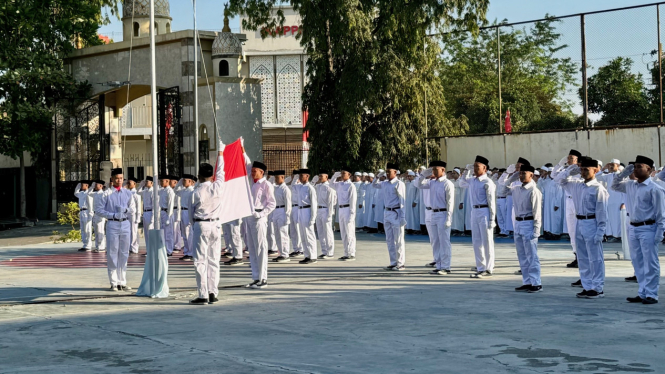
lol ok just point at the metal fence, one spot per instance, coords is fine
(284, 157)
(586, 42)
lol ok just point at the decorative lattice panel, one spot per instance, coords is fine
(262, 67)
(289, 90)
(141, 8)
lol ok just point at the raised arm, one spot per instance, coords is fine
(377, 183)
(422, 182)
(621, 181)
(466, 177)
(504, 183)
(218, 184)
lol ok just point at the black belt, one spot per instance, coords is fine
(183, 209)
(499, 197)
(645, 223)
(147, 210)
(344, 206)
(165, 209)
(392, 209)
(84, 209)
(520, 219)
(258, 210)
(590, 216)
(294, 205)
(428, 208)
(439, 210)
(119, 220)
(280, 206)
(206, 220)
(481, 206)
(304, 206)
(323, 207)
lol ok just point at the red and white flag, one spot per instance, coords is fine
(236, 196)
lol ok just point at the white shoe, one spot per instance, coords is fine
(477, 275)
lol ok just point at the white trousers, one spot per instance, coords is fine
(234, 243)
(207, 251)
(272, 241)
(85, 223)
(644, 253)
(118, 252)
(500, 214)
(186, 234)
(178, 240)
(590, 256)
(347, 227)
(325, 231)
(440, 240)
(508, 214)
(281, 231)
(483, 239)
(168, 231)
(308, 237)
(571, 223)
(100, 231)
(527, 252)
(394, 238)
(296, 242)
(133, 235)
(257, 244)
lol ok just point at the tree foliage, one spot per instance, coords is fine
(370, 67)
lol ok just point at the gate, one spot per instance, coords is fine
(171, 160)
(283, 157)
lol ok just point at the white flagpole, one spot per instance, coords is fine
(155, 135)
(196, 94)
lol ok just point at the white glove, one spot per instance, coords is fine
(491, 225)
(402, 222)
(142, 184)
(382, 174)
(427, 172)
(287, 180)
(336, 175)
(449, 223)
(221, 146)
(295, 179)
(563, 161)
(256, 215)
(242, 142)
(180, 182)
(311, 222)
(168, 222)
(315, 179)
(78, 186)
(628, 170)
(329, 219)
(469, 167)
(511, 169)
(92, 186)
(574, 170)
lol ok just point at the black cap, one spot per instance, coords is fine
(631, 163)
(346, 169)
(549, 164)
(437, 163)
(189, 176)
(644, 160)
(133, 179)
(206, 170)
(295, 171)
(99, 181)
(148, 178)
(588, 162)
(304, 171)
(502, 170)
(523, 161)
(84, 181)
(483, 161)
(392, 165)
(271, 173)
(527, 168)
(574, 153)
(116, 171)
(279, 172)
(260, 165)
(165, 176)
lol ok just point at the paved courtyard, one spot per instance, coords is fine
(56, 316)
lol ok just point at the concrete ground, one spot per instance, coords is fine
(56, 316)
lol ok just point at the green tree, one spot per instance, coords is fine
(36, 35)
(533, 78)
(370, 66)
(618, 94)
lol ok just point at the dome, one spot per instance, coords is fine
(226, 44)
(142, 8)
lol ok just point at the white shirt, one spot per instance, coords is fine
(263, 197)
(85, 200)
(527, 202)
(167, 199)
(481, 191)
(283, 197)
(118, 205)
(98, 198)
(441, 194)
(646, 200)
(589, 198)
(185, 196)
(326, 197)
(304, 195)
(346, 194)
(206, 201)
(394, 194)
(137, 203)
(146, 195)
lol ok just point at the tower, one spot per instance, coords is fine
(226, 52)
(138, 27)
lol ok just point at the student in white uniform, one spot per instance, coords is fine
(178, 243)
(205, 208)
(370, 204)
(117, 207)
(379, 207)
(590, 199)
(305, 197)
(326, 201)
(412, 201)
(281, 216)
(145, 190)
(614, 203)
(394, 216)
(85, 213)
(99, 222)
(166, 204)
(346, 199)
(184, 190)
(458, 214)
(131, 185)
(294, 232)
(482, 200)
(360, 191)
(570, 214)
(272, 241)
(647, 224)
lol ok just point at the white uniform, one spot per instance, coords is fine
(394, 218)
(370, 204)
(98, 221)
(571, 215)
(85, 215)
(360, 211)
(326, 200)
(281, 218)
(185, 196)
(441, 204)
(148, 224)
(553, 198)
(590, 199)
(117, 207)
(257, 226)
(613, 205)
(346, 199)
(647, 201)
(305, 196)
(294, 231)
(233, 238)
(412, 213)
(458, 214)
(166, 204)
(527, 200)
(178, 241)
(378, 206)
(134, 220)
(501, 211)
(205, 208)
(482, 203)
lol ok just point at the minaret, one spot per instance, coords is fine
(136, 18)
(226, 51)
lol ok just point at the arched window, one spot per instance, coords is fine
(136, 29)
(223, 68)
(168, 28)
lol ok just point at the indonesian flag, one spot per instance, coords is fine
(236, 195)
(507, 125)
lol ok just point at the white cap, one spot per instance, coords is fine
(457, 170)
(411, 173)
(364, 174)
(423, 168)
(371, 175)
(543, 167)
(549, 169)
(398, 172)
(615, 161)
(600, 163)
(358, 174)
(536, 172)
(381, 171)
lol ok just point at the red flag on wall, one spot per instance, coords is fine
(508, 126)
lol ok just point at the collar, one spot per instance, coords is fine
(646, 182)
(262, 180)
(592, 182)
(394, 180)
(529, 186)
(482, 177)
(442, 178)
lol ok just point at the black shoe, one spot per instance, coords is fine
(440, 272)
(251, 284)
(322, 257)
(272, 252)
(635, 299)
(431, 264)
(124, 288)
(535, 289)
(235, 261)
(582, 294)
(169, 254)
(577, 283)
(188, 258)
(293, 254)
(649, 300)
(478, 274)
(524, 288)
(343, 258)
(212, 298)
(119, 287)
(259, 285)
(398, 268)
(488, 273)
(390, 267)
(631, 279)
(281, 259)
(199, 301)
(307, 260)
(297, 254)
(350, 258)
(573, 264)
(113, 288)
(83, 249)
(227, 255)
(594, 294)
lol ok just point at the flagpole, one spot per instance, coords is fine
(155, 135)
(196, 93)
